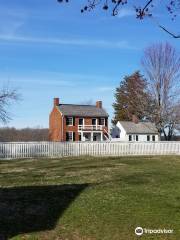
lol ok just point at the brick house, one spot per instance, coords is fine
(72, 122)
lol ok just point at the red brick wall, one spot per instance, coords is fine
(87, 121)
(55, 125)
(71, 129)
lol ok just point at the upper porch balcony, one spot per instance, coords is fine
(90, 127)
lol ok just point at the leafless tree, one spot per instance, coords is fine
(161, 63)
(23, 135)
(145, 9)
(7, 96)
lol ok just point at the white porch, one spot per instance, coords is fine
(90, 127)
(90, 136)
(92, 133)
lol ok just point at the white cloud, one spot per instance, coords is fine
(73, 42)
(105, 89)
(9, 28)
(125, 12)
(40, 81)
(53, 79)
(11, 20)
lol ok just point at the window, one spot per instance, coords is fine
(81, 121)
(106, 122)
(130, 137)
(137, 138)
(69, 121)
(148, 138)
(94, 121)
(102, 121)
(70, 136)
(153, 138)
(80, 138)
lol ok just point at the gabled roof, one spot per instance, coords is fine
(139, 128)
(82, 110)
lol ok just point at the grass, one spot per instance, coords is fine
(89, 198)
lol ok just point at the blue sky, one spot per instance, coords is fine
(50, 50)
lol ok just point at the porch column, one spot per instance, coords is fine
(91, 136)
(101, 136)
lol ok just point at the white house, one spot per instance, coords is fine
(134, 131)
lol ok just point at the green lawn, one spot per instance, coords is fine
(89, 198)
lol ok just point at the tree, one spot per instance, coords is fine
(161, 63)
(142, 11)
(7, 96)
(131, 98)
(23, 135)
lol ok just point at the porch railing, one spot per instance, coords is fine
(90, 127)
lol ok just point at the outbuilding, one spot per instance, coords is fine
(134, 131)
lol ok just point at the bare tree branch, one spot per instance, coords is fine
(145, 10)
(7, 96)
(161, 63)
(142, 11)
(170, 33)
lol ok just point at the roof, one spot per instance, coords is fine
(82, 110)
(139, 128)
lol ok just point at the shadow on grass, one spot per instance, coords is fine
(34, 208)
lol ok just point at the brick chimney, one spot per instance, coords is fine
(56, 102)
(135, 119)
(99, 104)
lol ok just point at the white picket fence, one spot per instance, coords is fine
(12, 150)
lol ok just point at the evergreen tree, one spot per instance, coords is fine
(131, 98)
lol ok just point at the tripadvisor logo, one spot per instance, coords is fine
(139, 231)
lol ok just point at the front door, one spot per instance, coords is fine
(87, 136)
(94, 121)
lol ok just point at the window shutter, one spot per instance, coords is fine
(67, 121)
(73, 136)
(67, 136)
(73, 121)
(106, 122)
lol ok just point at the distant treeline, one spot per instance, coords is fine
(174, 138)
(23, 135)
(33, 134)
